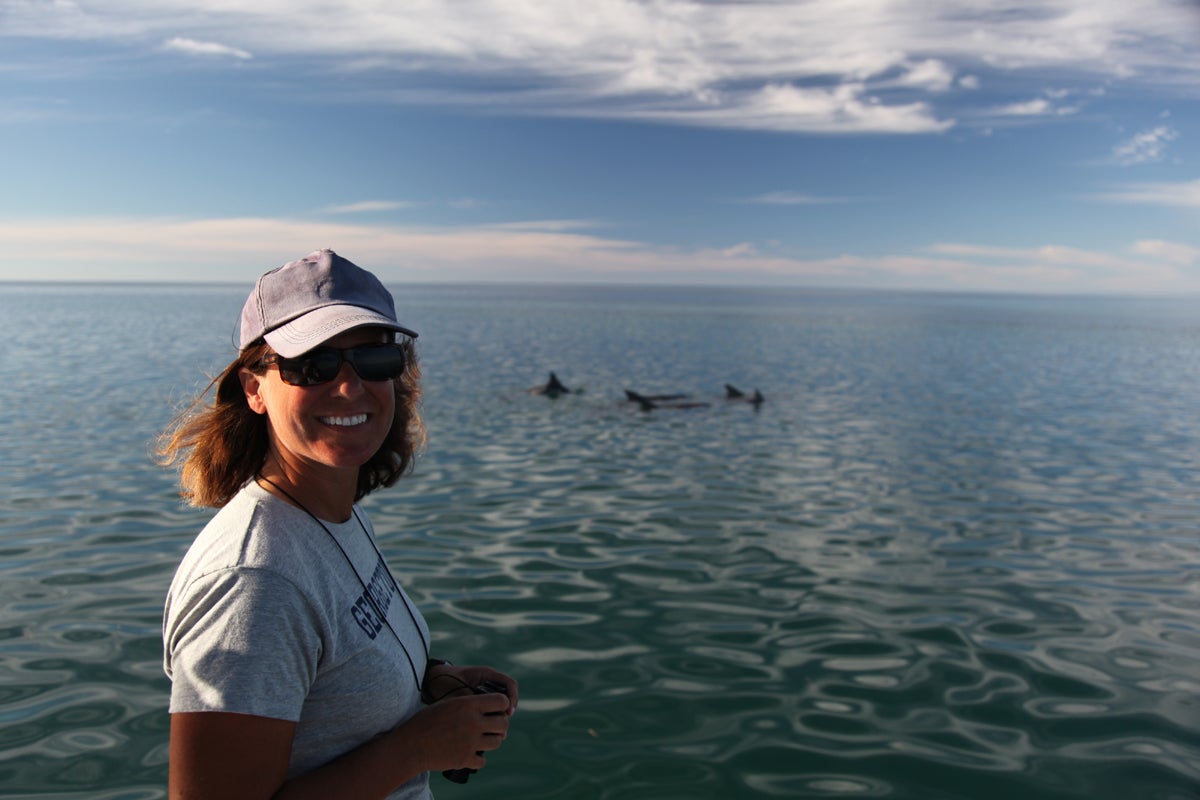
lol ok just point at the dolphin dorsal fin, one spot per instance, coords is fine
(641, 401)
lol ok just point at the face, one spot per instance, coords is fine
(333, 427)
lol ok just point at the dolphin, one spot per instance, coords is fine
(654, 398)
(734, 393)
(649, 404)
(551, 388)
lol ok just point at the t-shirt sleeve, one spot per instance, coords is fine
(242, 640)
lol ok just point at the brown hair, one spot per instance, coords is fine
(224, 445)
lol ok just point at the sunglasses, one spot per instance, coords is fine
(372, 362)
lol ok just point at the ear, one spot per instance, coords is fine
(252, 387)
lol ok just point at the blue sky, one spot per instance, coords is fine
(1048, 146)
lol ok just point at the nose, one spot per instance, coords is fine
(347, 382)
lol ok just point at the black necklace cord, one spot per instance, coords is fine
(366, 592)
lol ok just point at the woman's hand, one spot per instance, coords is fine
(457, 731)
(220, 756)
(444, 681)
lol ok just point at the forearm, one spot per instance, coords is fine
(372, 770)
(236, 757)
(453, 733)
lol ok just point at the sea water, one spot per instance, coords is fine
(954, 554)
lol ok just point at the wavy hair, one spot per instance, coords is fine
(223, 444)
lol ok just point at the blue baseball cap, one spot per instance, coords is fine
(305, 302)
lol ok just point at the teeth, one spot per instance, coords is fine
(357, 419)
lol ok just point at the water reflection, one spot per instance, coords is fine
(952, 556)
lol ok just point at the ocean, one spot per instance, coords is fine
(953, 554)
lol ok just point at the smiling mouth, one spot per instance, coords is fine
(344, 422)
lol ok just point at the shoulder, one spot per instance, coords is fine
(260, 537)
(255, 530)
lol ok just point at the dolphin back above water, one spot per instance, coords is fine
(734, 393)
(654, 398)
(551, 388)
(651, 402)
(647, 402)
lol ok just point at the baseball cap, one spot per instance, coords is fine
(305, 302)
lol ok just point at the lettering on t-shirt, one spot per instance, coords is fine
(371, 607)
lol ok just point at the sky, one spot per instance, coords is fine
(1047, 146)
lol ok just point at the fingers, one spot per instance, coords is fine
(481, 717)
(493, 704)
(468, 676)
(512, 691)
(510, 685)
(494, 728)
(461, 729)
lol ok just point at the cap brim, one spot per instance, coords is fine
(320, 325)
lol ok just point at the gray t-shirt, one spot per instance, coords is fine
(266, 616)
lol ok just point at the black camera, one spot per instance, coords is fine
(487, 687)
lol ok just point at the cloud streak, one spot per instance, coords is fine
(1145, 147)
(792, 199)
(1184, 194)
(848, 66)
(369, 207)
(192, 47)
(236, 249)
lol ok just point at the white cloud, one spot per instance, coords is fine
(783, 107)
(1185, 194)
(194, 48)
(1146, 146)
(837, 66)
(1063, 268)
(1046, 254)
(739, 250)
(931, 74)
(1030, 108)
(1174, 252)
(792, 199)
(369, 206)
(1046, 106)
(558, 250)
(543, 225)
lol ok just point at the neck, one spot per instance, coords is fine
(329, 497)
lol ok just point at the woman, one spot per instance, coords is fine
(298, 665)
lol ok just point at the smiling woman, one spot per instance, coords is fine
(284, 683)
(324, 424)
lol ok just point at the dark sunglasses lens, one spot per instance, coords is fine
(377, 362)
(310, 369)
(292, 371)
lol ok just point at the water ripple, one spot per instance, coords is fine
(954, 554)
